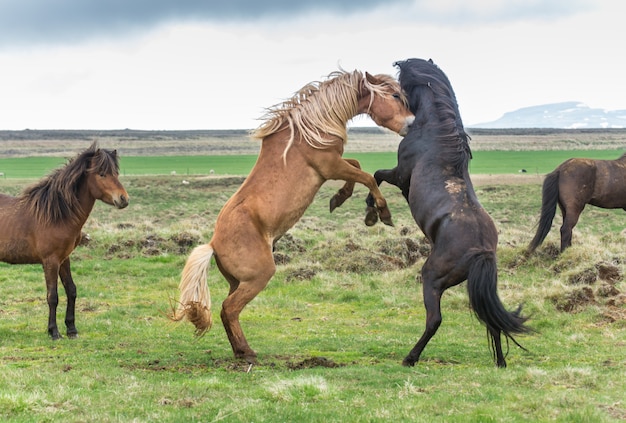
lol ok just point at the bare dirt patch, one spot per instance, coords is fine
(313, 362)
(153, 245)
(506, 179)
(593, 286)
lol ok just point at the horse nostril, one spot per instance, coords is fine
(123, 202)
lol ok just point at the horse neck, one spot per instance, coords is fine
(86, 201)
(440, 145)
(364, 102)
(426, 129)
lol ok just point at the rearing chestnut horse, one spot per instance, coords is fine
(574, 184)
(43, 224)
(432, 173)
(302, 144)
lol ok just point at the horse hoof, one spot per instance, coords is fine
(371, 217)
(249, 356)
(387, 222)
(333, 203)
(72, 335)
(369, 221)
(407, 362)
(385, 216)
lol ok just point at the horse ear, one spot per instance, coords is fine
(371, 79)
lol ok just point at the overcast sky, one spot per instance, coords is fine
(208, 64)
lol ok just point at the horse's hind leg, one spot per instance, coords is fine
(496, 344)
(70, 291)
(241, 293)
(570, 218)
(432, 303)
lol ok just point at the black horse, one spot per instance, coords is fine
(432, 173)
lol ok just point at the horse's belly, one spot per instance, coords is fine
(17, 252)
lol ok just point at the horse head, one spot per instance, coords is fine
(102, 179)
(387, 105)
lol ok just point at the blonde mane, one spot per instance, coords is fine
(320, 109)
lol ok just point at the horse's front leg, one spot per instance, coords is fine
(70, 291)
(346, 171)
(371, 212)
(346, 190)
(51, 273)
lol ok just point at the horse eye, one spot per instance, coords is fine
(397, 96)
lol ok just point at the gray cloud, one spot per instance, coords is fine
(61, 21)
(45, 21)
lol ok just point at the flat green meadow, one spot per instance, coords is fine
(333, 325)
(485, 162)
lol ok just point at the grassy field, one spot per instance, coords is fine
(331, 328)
(485, 162)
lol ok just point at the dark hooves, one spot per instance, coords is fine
(371, 216)
(408, 363)
(387, 221)
(333, 203)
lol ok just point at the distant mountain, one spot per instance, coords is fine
(570, 115)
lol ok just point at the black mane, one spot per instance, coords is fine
(421, 79)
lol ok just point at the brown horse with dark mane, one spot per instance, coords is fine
(574, 184)
(43, 225)
(432, 172)
(302, 144)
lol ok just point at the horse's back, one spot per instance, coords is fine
(610, 184)
(445, 210)
(601, 183)
(5, 200)
(576, 180)
(9, 212)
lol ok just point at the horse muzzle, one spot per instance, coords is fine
(407, 124)
(121, 201)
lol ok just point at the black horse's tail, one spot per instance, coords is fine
(482, 284)
(549, 200)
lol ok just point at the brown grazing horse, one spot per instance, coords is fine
(574, 184)
(43, 224)
(432, 172)
(302, 144)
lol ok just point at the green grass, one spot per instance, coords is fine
(538, 162)
(486, 162)
(37, 167)
(351, 307)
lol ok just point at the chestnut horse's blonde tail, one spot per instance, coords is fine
(195, 298)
